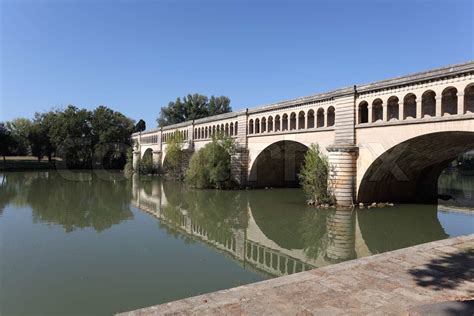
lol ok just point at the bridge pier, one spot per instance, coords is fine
(342, 164)
(239, 165)
(135, 159)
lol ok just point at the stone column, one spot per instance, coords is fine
(438, 106)
(369, 110)
(401, 110)
(342, 183)
(384, 112)
(418, 102)
(135, 159)
(460, 103)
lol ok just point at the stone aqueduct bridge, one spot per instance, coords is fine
(386, 141)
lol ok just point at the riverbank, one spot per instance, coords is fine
(408, 280)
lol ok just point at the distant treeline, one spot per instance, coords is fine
(81, 138)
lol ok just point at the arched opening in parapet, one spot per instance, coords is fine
(331, 120)
(363, 112)
(409, 171)
(270, 124)
(377, 110)
(251, 127)
(226, 129)
(409, 106)
(292, 121)
(264, 125)
(278, 165)
(449, 101)
(428, 104)
(231, 126)
(257, 126)
(277, 123)
(469, 99)
(301, 119)
(284, 122)
(392, 107)
(320, 118)
(310, 119)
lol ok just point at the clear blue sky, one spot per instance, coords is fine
(135, 56)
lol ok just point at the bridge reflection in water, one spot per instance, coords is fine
(270, 230)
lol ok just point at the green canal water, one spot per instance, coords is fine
(78, 244)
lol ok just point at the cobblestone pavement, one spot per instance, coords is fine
(396, 282)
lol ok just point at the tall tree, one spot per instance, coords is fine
(192, 107)
(19, 129)
(7, 142)
(140, 126)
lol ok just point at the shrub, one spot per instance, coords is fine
(210, 167)
(314, 177)
(174, 156)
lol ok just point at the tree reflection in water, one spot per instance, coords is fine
(83, 202)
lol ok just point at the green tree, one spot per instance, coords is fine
(19, 129)
(71, 135)
(45, 122)
(174, 156)
(140, 126)
(210, 167)
(7, 142)
(110, 136)
(192, 107)
(314, 176)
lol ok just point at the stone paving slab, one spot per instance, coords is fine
(397, 282)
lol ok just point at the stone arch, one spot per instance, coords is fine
(301, 120)
(363, 112)
(469, 99)
(409, 106)
(270, 124)
(147, 152)
(292, 121)
(392, 108)
(207, 132)
(409, 171)
(226, 129)
(263, 128)
(236, 125)
(284, 122)
(377, 110)
(320, 118)
(277, 123)
(278, 165)
(449, 101)
(251, 127)
(257, 126)
(231, 128)
(331, 116)
(310, 119)
(428, 103)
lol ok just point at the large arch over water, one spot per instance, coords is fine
(409, 171)
(278, 165)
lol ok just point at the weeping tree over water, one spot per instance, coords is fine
(314, 177)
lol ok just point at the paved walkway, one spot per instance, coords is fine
(398, 282)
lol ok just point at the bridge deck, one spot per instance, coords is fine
(394, 282)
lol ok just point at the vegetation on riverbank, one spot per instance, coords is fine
(80, 138)
(174, 164)
(315, 176)
(210, 167)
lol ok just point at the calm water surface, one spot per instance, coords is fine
(90, 246)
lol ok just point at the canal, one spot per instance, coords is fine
(82, 244)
